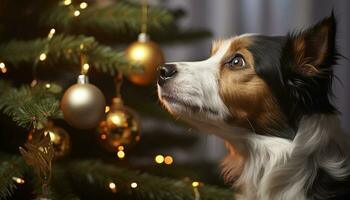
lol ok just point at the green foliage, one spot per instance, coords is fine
(149, 187)
(59, 47)
(98, 174)
(61, 188)
(26, 104)
(10, 166)
(118, 18)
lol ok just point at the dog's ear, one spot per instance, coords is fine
(313, 50)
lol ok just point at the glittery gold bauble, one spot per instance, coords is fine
(120, 128)
(83, 104)
(59, 138)
(149, 55)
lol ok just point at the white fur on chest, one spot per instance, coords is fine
(276, 168)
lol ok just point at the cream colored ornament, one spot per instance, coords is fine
(83, 104)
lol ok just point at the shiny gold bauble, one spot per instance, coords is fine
(59, 137)
(120, 128)
(83, 104)
(149, 55)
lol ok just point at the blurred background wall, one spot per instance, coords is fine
(225, 18)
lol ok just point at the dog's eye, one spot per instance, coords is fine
(237, 62)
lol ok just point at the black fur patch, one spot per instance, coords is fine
(267, 52)
(297, 94)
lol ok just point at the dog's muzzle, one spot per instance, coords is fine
(166, 72)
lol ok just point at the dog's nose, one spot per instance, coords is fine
(166, 72)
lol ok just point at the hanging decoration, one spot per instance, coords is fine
(121, 128)
(83, 104)
(39, 153)
(144, 52)
(59, 138)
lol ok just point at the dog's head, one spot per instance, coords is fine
(262, 83)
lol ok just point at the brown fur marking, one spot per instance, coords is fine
(247, 96)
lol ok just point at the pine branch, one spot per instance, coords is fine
(118, 18)
(60, 187)
(59, 47)
(30, 104)
(149, 187)
(10, 167)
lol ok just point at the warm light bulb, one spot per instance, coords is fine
(67, 2)
(133, 185)
(86, 67)
(121, 148)
(76, 13)
(48, 85)
(3, 68)
(103, 136)
(159, 159)
(83, 5)
(195, 184)
(112, 186)
(18, 180)
(121, 154)
(168, 160)
(42, 56)
(51, 33)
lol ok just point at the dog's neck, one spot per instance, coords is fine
(276, 168)
(265, 167)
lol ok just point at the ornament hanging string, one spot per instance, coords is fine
(144, 16)
(118, 80)
(83, 61)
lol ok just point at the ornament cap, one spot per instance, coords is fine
(117, 102)
(82, 79)
(143, 37)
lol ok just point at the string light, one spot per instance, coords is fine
(103, 136)
(3, 68)
(113, 187)
(133, 185)
(51, 33)
(168, 160)
(121, 148)
(83, 5)
(67, 2)
(48, 85)
(107, 109)
(42, 56)
(121, 154)
(86, 66)
(159, 159)
(76, 13)
(195, 184)
(18, 180)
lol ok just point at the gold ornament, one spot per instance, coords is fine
(59, 138)
(121, 127)
(149, 55)
(83, 104)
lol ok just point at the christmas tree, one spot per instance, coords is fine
(68, 139)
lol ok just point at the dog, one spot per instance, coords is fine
(269, 98)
